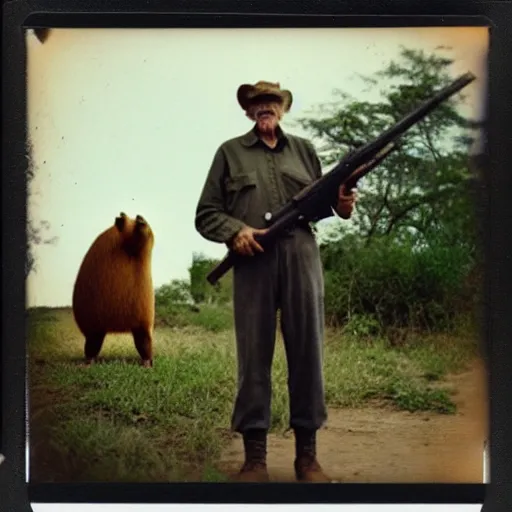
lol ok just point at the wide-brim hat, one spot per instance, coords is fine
(248, 92)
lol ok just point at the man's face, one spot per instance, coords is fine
(266, 114)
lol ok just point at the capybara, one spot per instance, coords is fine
(113, 292)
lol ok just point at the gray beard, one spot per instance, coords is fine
(267, 130)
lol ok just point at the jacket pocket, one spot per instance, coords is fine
(239, 191)
(294, 181)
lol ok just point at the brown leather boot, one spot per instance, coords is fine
(254, 468)
(307, 468)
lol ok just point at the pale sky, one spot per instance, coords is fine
(129, 120)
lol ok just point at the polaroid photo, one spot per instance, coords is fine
(257, 254)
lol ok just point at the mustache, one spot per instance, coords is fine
(263, 112)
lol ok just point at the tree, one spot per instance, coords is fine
(35, 230)
(420, 191)
(404, 258)
(200, 289)
(176, 292)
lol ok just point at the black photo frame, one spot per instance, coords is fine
(495, 216)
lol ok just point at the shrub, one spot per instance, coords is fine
(393, 284)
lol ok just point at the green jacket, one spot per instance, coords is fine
(248, 179)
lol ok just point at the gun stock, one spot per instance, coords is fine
(310, 201)
(222, 268)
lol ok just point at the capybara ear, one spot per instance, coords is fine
(140, 220)
(120, 222)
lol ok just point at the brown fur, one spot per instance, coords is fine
(113, 292)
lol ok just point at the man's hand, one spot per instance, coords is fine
(346, 201)
(244, 243)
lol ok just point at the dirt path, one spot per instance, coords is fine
(388, 446)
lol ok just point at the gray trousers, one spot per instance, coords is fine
(287, 277)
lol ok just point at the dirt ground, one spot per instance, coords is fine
(375, 445)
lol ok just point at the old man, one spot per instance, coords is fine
(250, 175)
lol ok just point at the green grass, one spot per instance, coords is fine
(209, 317)
(117, 421)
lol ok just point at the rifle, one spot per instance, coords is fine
(308, 204)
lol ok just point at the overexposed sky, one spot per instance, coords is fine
(129, 120)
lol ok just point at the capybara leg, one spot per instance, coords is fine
(143, 344)
(93, 344)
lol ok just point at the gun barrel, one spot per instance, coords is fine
(366, 168)
(373, 149)
(412, 118)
